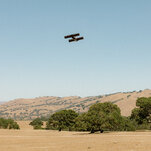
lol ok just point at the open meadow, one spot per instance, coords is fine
(28, 139)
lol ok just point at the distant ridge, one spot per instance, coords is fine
(1, 103)
(27, 109)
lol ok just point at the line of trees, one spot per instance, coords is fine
(8, 124)
(100, 117)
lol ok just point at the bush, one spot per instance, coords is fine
(36, 123)
(37, 127)
(8, 124)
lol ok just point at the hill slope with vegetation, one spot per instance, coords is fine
(100, 117)
(27, 109)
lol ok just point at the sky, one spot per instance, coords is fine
(36, 60)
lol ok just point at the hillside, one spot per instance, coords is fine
(27, 109)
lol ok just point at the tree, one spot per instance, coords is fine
(135, 115)
(64, 119)
(142, 114)
(8, 124)
(127, 124)
(12, 124)
(36, 123)
(100, 117)
(81, 123)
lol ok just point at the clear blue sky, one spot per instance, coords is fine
(36, 60)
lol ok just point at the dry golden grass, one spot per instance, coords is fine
(24, 125)
(27, 139)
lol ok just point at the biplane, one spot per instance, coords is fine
(74, 37)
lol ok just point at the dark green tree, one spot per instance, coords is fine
(142, 113)
(64, 119)
(100, 117)
(12, 124)
(81, 123)
(36, 123)
(127, 124)
(8, 124)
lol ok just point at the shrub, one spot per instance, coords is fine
(8, 124)
(36, 123)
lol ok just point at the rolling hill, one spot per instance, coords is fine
(27, 109)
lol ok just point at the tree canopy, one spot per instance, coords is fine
(64, 119)
(8, 124)
(37, 123)
(100, 116)
(142, 113)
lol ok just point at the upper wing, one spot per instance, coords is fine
(73, 35)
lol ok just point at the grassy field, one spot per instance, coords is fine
(27, 139)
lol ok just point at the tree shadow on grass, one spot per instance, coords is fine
(89, 133)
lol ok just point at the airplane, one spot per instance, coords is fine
(73, 36)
